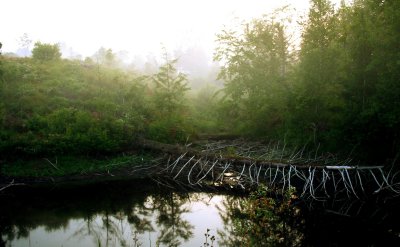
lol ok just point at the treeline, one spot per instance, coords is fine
(340, 88)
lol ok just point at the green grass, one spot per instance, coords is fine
(69, 165)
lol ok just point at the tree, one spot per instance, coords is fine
(46, 52)
(25, 42)
(170, 118)
(255, 73)
(105, 57)
(316, 106)
(170, 87)
(370, 34)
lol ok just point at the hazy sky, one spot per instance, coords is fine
(138, 27)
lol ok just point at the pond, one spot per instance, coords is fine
(143, 214)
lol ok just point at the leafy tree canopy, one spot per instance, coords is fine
(46, 52)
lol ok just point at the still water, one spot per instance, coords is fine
(131, 214)
(143, 214)
(157, 220)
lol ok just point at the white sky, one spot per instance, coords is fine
(136, 26)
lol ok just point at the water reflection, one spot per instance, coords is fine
(137, 215)
(230, 212)
(170, 208)
(98, 217)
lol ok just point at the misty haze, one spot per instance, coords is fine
(200, 123)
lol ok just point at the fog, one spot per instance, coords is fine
(136, 31)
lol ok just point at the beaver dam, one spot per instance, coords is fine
(238, 164)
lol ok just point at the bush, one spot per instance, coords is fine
(169, 129)
(270, 221)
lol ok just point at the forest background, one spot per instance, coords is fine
(337, 88)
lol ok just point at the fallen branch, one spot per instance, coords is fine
(51, 163)
(10, 184)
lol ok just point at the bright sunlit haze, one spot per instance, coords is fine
(133, 29)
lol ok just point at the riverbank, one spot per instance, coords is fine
(75, 170)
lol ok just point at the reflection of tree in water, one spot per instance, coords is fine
(108, 219)
(16, 223)
(230, 211)
(166, 209)
(108, 230)
(261, 220)
(173, 228)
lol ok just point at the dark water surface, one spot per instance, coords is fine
(143, 214)
(116, 214)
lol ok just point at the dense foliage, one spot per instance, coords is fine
(56, 106)
(269, 220)
(338, 88)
